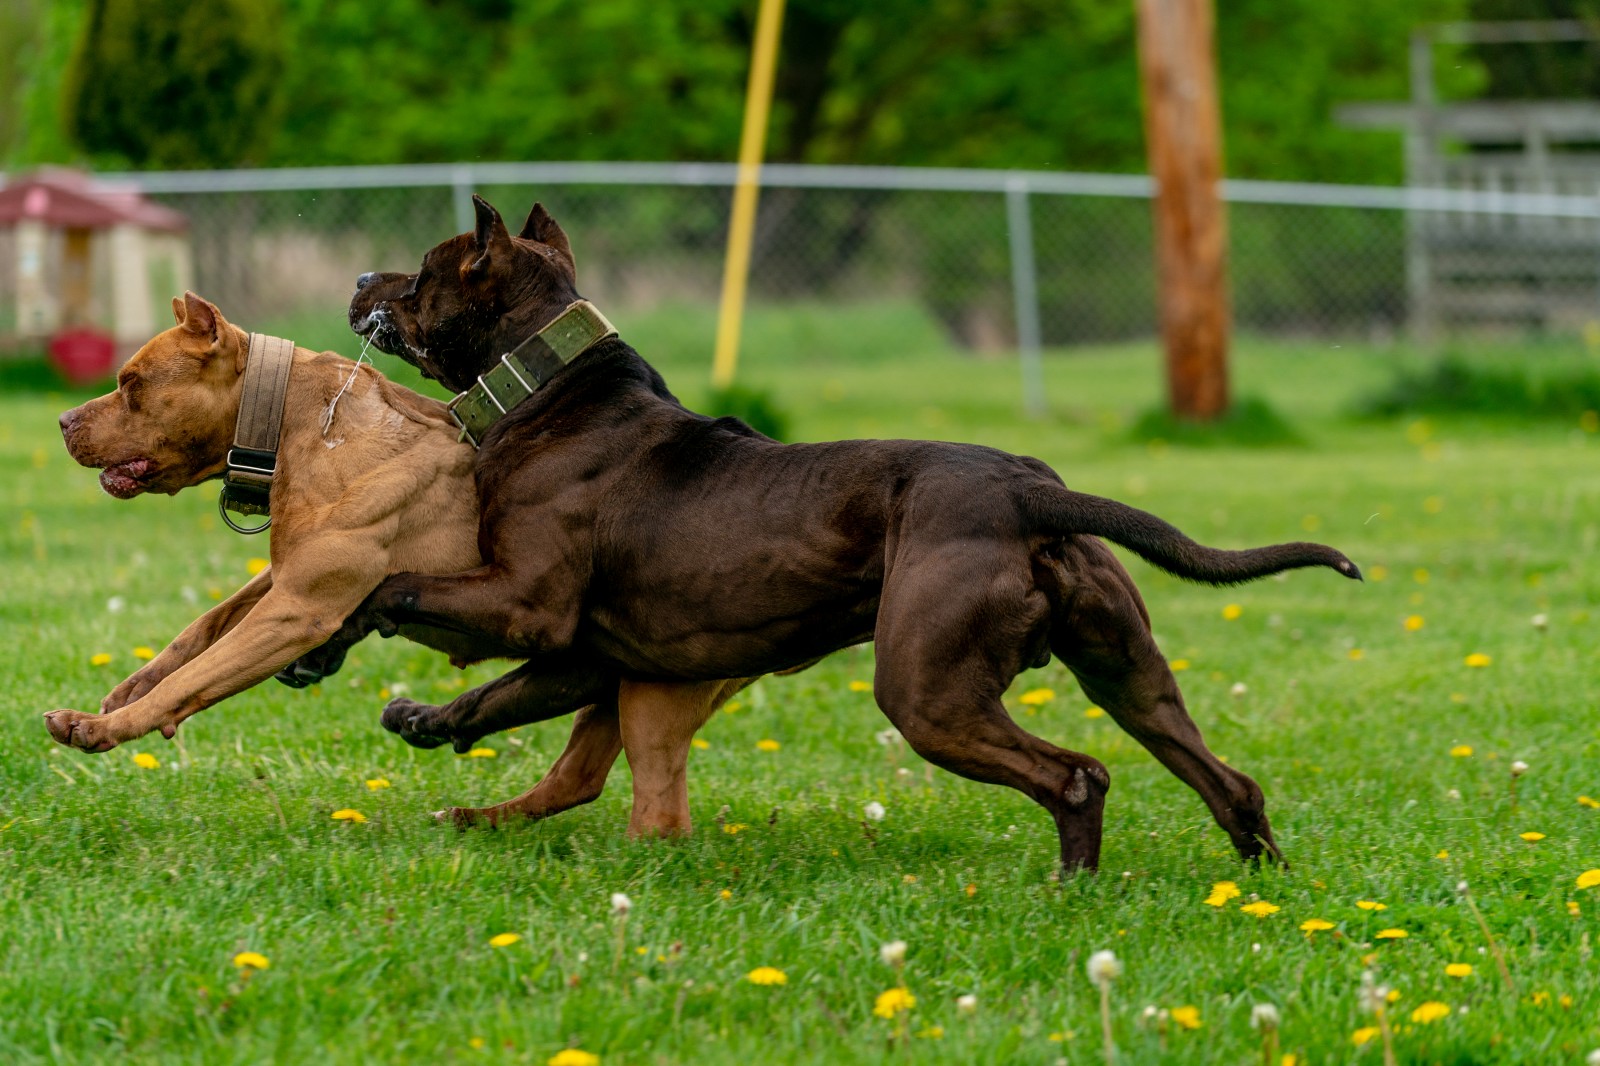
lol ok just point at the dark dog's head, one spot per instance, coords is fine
(170, 421)
(476, 297)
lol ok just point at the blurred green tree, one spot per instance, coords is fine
(1539, 71)
(174, 83)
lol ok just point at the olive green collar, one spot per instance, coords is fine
(521, 372)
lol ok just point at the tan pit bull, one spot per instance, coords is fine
(384, 487)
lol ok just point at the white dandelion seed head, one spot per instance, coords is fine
(1462, 888)
(967, 1004)
(620, 904)
(874, 811)
(1519, 768)
(1264, 1016)
(888, 738)
(1150, 1011)
(902, 773)
(116, 604)
(1104, 968)
(893, 953)
(583, 956)
(1239, 689)
(1453, 794)
(1255, 949)
(1593, 1058)
(1540, 622)
(1373, 995)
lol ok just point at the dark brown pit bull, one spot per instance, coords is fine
(621, 526)
(384, 485)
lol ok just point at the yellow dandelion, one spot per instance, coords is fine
(1260, 908)
(482, 753)
(1315, 925)
(1430, 1011)
(252, 960)
(1413, 623)
(1061, 1038)
(145, 761)
(256, 565)
(375, 783)
(1458, 969)
(1391, 934)
(892, 1002)
(143, 652)
(1364, 1034)
(573, 1057)
(733, 827)
(1444, 853)
(503, 940)
(971, 890)
(1356, 655)
(100, 658)
(1461, 751)
(1420, 576)
(1478, 658)
(767, 745)
(1178, 665)
(346, 814)
(932, 1032)
(860, 686)
(1371, 905)
(1393, 996)
(767, 975)
(700, 745)
(731, 707)
(1532, 838)
(214, 592)
(725, 894)
(1573, 909)
(1232, 611)
(477, 1043)
(1095, 712)
(1378, 573)
(1589, 802)
(1221, 893)
(1589, 878)
(1036, 697)
(1188, 1017)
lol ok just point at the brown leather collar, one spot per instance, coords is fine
(253, 459)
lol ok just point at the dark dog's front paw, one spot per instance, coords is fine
(416, 723)
(314, 665)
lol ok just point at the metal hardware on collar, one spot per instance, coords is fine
(522, 372)
(252, 462)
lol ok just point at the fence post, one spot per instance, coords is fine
(461, 199)
(1025, 293)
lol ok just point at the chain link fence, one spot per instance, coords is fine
(997, 259)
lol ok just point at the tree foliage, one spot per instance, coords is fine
(172, 83)
(1049, 84)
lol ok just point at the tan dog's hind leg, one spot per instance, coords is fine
(658, 723)
(578, 776)
(196, 638)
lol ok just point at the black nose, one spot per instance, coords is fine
(361, 282)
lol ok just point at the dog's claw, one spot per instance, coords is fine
(401, 716)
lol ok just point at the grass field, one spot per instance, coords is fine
(126, 892)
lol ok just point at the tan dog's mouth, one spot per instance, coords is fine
(126, 479)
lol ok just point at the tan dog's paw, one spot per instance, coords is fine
(77, 729)
(463, 817)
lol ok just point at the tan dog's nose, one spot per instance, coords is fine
(69, 421)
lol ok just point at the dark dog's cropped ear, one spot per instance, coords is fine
(542, 228)
(491, 238)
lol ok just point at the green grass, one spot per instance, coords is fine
(124, 893)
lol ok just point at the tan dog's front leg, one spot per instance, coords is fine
(658, 723)
(196, 638)
(278, 630)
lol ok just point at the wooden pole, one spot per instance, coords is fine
(752, 142)
(1183, 132)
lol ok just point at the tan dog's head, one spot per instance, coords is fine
(170, 422)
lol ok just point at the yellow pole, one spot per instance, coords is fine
(757, 103)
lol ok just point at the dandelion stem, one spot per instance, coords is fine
(1494, 947)
(1388, 1037)
(1105, 1021)
(1269, 1046)
(622, 941)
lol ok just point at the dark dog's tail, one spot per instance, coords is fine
(1061, 510)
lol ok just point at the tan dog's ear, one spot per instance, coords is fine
(491, 238)
(201, 318)
(177, 310)
(542, 228)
